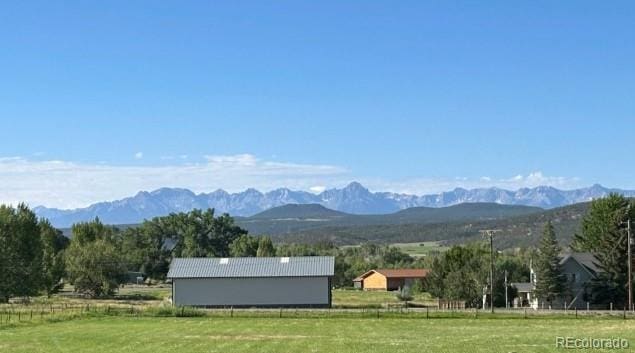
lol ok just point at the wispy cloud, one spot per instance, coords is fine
(68, 184)
(421, 186)
(64, 184)
(138, 155)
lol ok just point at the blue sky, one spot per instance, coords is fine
(99, 100)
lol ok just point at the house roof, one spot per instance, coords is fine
(214, 267)
(524, 286)
(396, 273)
(585, 259)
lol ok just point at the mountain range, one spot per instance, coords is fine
(353, 199)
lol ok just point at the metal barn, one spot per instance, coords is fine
(252, 281)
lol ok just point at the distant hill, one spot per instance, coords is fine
(464, 211)
(352, 199)
(299, 218)
(300, 212)
(516, 230)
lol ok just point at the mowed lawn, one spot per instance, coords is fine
(332, 335)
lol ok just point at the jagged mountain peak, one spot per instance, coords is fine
(353, 198)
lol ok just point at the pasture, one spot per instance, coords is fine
(105, 334)
(374, 299)
(148, 324)
(420, 249)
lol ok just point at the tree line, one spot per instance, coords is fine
(31, 254)
(462, 273)
(36, 258)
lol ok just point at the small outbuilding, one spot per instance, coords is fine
(252, 281)
(389, 279)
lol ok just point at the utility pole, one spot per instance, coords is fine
(629, 243)
(506, 287)
(630, 265)
(490, 233)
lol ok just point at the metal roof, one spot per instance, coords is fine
(214, 267)
(524, 287)
(585, 259)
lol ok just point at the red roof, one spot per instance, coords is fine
(397, 273)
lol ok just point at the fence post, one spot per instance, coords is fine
(588, 306)
(427, 312)
(525, 314)
(231, 311)
(576, 312)
(611, 306)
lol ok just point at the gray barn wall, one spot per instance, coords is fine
(272, 291)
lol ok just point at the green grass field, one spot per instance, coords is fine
(372, 299)
(420, 249)
(153, 295)
(111, 325)
(226, 335)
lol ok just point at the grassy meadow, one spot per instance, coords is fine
(374, 299)
(420, 249)
(337, 334)
(149, 324)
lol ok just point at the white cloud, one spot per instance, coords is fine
(138, 155)
(422, 186)
(65, 184)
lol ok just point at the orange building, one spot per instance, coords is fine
(389, 279)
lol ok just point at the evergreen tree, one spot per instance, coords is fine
(550, 282)
(604, 234)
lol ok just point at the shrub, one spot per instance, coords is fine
(404, 294)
